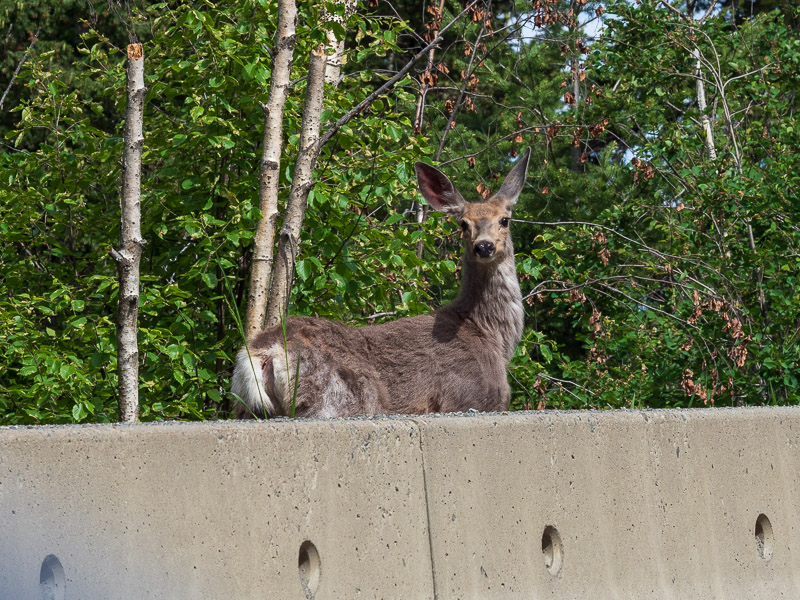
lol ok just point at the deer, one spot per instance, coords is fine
(451, 360)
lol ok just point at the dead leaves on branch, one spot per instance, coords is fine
(598, 129)
(478, 14)
(737, 351)
(546, 12)
(472, 83)
(691, 388)
(604, 253)
(432, 27)
(642, 170)
(703, 381)
(428, 78)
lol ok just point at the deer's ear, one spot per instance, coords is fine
(512, 186)
(438, 190)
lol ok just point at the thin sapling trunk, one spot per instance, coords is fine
(264, 241)
(129, 255)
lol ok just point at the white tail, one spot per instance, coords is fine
(451, 360)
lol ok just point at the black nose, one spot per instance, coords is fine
(484, 249)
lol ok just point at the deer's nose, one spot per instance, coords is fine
(484, 249)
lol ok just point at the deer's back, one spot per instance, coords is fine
(430, 363)
(440, 362)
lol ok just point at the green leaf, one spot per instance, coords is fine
(545, 350)
(341, 284)
(210, 279)
(338, 31)
(303, 269)
(79, 413)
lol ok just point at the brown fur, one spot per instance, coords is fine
(451, 360)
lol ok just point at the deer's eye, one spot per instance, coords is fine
(504, 222)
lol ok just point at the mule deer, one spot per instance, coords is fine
(451, 360)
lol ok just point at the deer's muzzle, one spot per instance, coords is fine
(483, 249)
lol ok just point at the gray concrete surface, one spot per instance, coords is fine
(639, 504)
(218, 510)
(646, 504)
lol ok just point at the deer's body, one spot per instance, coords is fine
(453, 359)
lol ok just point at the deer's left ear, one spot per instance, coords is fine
(512, 186)
(438, 190)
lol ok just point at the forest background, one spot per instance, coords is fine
(657, 238)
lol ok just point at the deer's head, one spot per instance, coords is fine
(484, 225)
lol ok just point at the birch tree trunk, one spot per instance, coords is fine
(129, 255)
(575, 151)
(302, 181)
(701, 105)
(335, 48)
(264, 241)
(333, 64)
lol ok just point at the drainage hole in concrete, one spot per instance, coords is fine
(309, 566)
(553, 550)
(764, 537)
(51, 579)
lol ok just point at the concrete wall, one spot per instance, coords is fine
(653, 504)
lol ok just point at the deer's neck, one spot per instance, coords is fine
(491, 298)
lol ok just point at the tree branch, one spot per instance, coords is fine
(389, 84)
(19, 66)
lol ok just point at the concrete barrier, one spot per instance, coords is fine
(653, 504)
(217, 510)
(658, 504)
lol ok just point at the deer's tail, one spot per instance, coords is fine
(254, 383)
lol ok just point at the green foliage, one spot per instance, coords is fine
(56, 49)
(207, 70)
(682, 293)
(634, 249)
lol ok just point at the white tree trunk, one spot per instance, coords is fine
(129, 255)
(335, 49)
(264, 241)
(302, 181)
(575, 151)
(701, 105)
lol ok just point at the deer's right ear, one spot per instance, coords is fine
(438, 190)
(515, 180)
